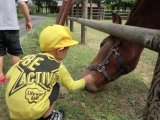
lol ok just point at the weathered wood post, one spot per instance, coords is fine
(71, 21)
(91, 11)
(61, 12)
(101, 13)
(77, 10)
(149, 38)
(65, 12)
(152, 109)
(84, 16)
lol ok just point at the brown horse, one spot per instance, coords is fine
(117, 57)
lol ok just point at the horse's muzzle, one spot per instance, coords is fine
(91, 88)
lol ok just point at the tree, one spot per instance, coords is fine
(39, 4)
(118, 3)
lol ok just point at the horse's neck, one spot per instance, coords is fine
(145, 13)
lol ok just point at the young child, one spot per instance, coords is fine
(34, 81)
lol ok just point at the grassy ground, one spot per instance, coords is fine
(123, 99)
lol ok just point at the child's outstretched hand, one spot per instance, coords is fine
(89, 79)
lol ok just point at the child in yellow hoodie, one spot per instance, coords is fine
(34, 81)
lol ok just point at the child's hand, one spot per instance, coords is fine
(89, 79)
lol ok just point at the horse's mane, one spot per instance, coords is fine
(136, 4)
(145, 13)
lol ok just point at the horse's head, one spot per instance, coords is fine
(115, 58)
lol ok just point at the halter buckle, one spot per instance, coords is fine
(115, 49)
(100, 68)
(116, 54)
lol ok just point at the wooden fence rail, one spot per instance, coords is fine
(101, 14)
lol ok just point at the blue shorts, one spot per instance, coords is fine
(9, 42)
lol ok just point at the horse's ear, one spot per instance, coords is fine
(116, 18)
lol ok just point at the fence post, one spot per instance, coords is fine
(84, 16)
(65, 12)
(71, 21)
(77, 10)
(91, 10)
(61, 12)
(152, 106)
(101, 14)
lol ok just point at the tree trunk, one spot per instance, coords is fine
(152, 110)
(38, 5)
(119, 4)
(46, 6)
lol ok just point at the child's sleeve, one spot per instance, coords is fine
(67, 81)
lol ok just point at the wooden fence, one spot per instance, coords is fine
(101, 14)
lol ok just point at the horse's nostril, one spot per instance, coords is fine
(88, 89)
(91, 88)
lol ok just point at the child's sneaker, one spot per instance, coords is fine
(57, 115)
(3, 79)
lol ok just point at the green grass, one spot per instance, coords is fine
(123, 99)
(150, 56)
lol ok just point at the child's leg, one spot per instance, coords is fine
(56, 115)
(49, 111)
(53, 97)
(15, 59)
(1, 66)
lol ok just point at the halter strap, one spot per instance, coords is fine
(102, 66)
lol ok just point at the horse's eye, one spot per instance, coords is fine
(101, 45)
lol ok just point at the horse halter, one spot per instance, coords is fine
(102, 66)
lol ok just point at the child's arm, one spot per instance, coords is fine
(69, 83)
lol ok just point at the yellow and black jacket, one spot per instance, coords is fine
(31, 81)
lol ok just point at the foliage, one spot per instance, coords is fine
(112, 4)
(49, 5)
(111, 1)
(19, 12)
(32, 8)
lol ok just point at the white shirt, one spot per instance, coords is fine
(8, 15)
